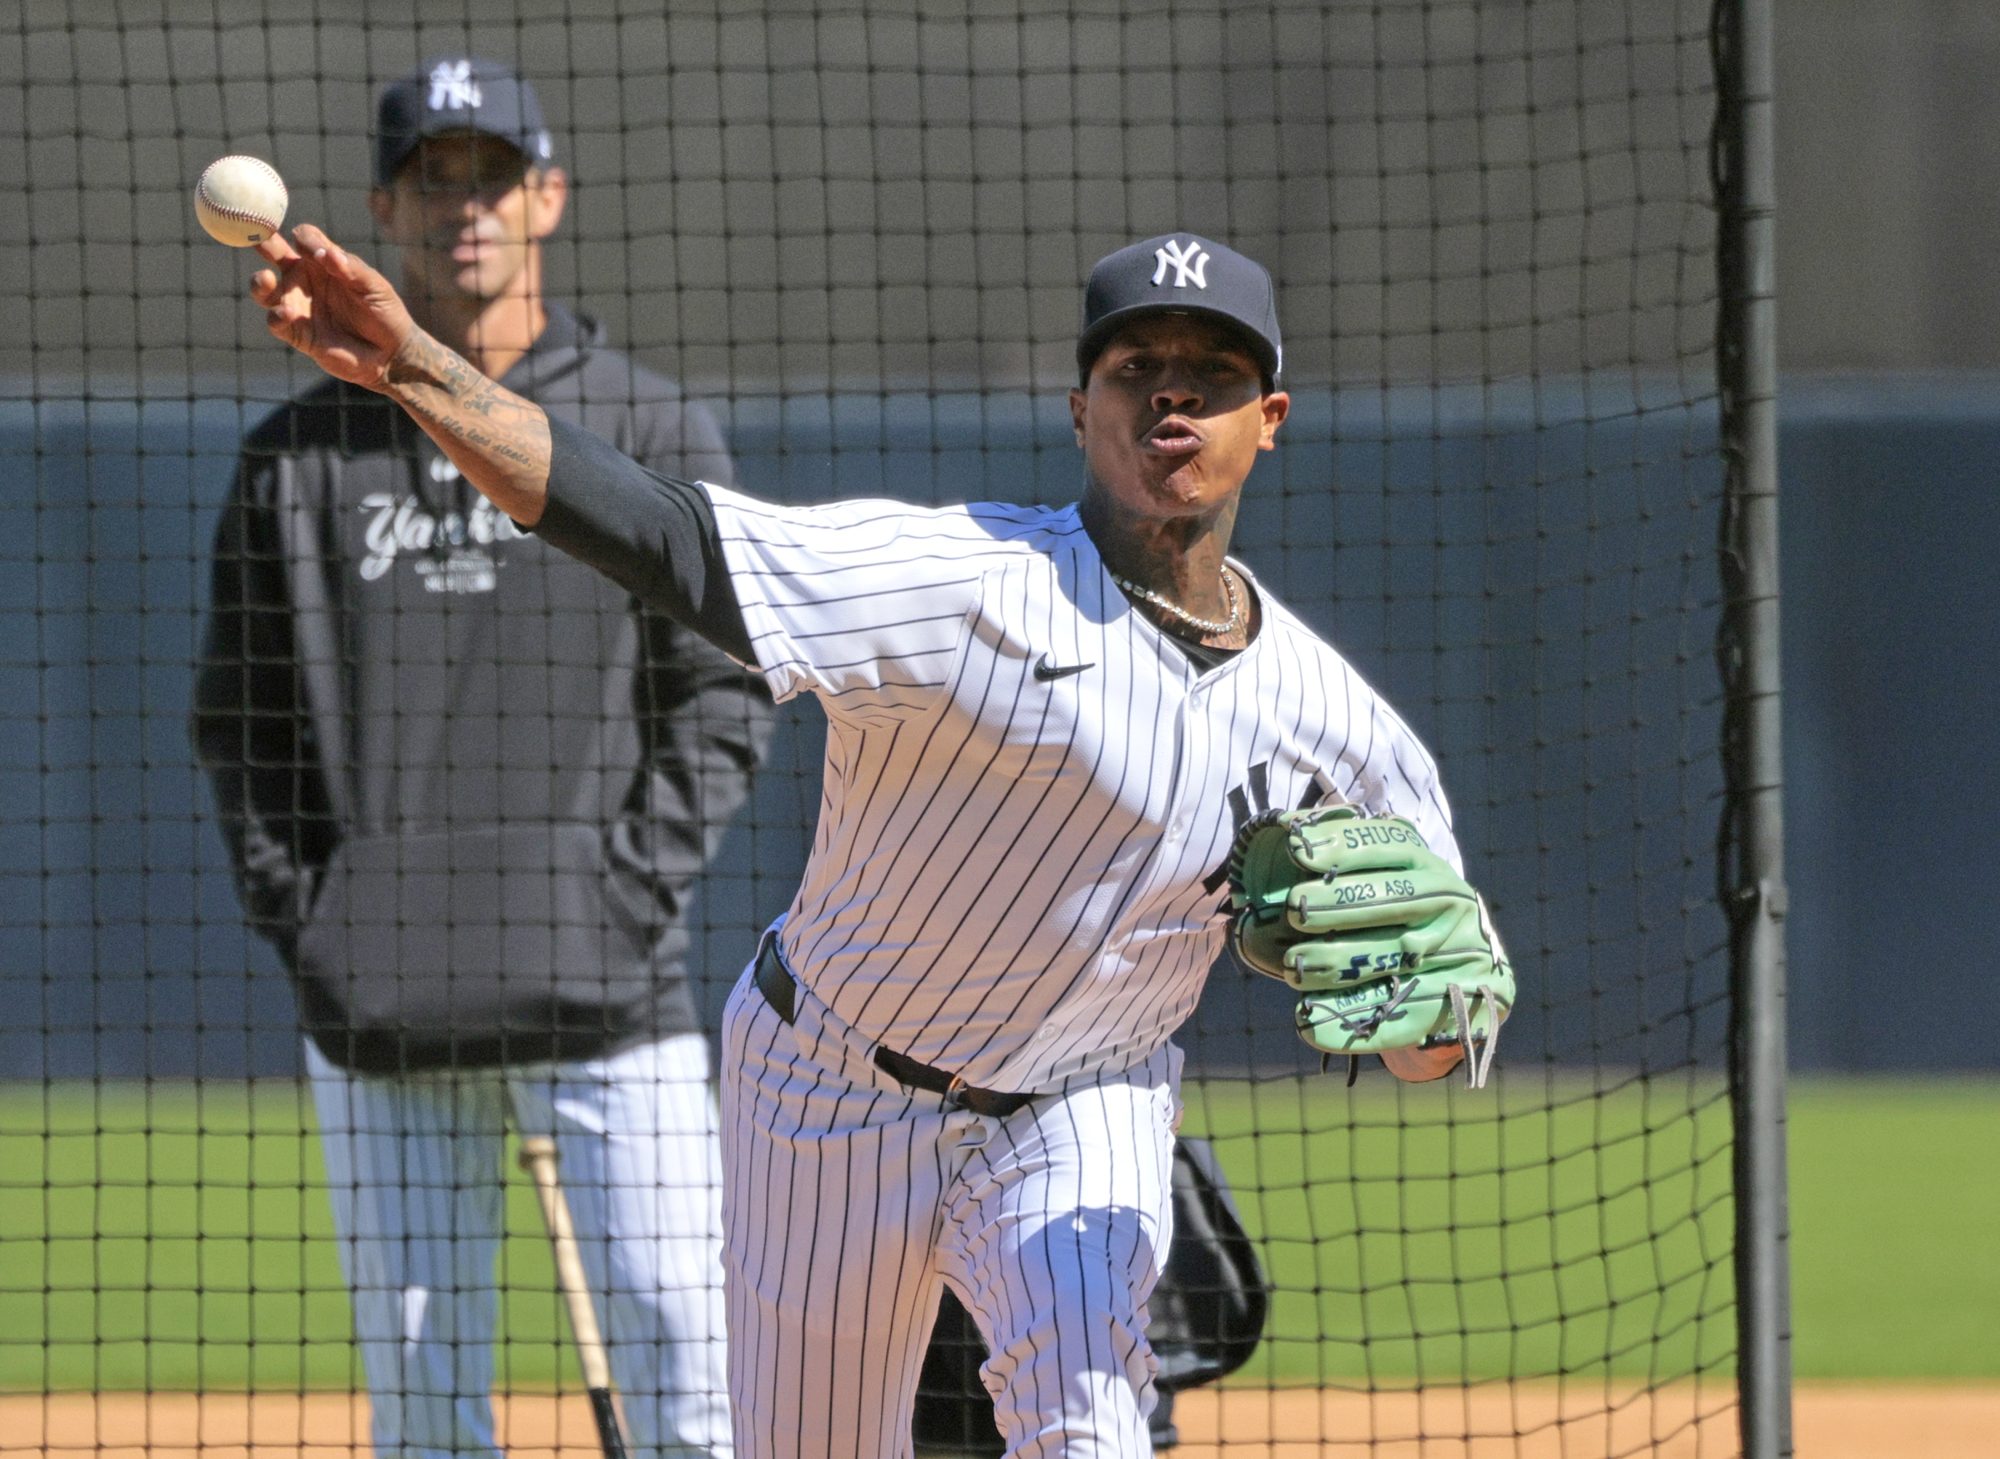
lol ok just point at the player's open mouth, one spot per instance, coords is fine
(1174, 436)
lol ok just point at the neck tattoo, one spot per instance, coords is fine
(1208, 626)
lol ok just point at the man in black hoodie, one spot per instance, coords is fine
(468, 786)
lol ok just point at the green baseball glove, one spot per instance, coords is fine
(1390, 946)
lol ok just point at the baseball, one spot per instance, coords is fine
(240, 200)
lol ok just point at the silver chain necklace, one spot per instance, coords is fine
(1208, 626)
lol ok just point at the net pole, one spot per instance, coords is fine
(1752, 863)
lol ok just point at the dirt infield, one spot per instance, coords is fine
(1849, 1422)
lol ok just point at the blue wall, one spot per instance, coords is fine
(1587, 808)
(1892, 720)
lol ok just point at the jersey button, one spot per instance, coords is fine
(1046, 1032)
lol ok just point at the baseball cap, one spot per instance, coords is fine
(457, 94)
(1187, 274)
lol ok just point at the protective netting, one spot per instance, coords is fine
(856, 235)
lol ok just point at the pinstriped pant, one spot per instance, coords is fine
(848, 1201)
(414, 1171)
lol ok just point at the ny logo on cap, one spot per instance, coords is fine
(1189, 261)
(452, 87)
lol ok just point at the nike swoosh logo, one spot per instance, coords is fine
(1046, 671)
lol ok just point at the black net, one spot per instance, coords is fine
(837, 251)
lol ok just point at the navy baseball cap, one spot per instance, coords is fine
(1181, 273)
(457, 94)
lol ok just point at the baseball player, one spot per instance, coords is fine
(949, 1063)
(467, 785)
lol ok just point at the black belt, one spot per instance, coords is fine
(775, 983)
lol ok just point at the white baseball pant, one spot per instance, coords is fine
(414, 1170)
(848, 1200)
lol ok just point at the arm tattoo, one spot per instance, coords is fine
(499, 440)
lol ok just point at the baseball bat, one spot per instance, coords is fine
(538, 1158)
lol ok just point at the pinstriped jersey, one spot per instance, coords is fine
(1030, 791)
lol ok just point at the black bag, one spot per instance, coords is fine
(1208, 1314)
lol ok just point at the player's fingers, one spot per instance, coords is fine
(331, 255)
(289, 266)
(362, 278)
(277, 249)
(312, 238)
(354, 273)
(350, 267)
(267, 286)
(280, 294)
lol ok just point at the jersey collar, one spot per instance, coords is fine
(1114, 595)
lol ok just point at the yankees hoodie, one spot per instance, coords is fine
(466, 782)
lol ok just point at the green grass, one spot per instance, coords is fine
(1432, 1233)
(1895, 1223)
(176, 1236)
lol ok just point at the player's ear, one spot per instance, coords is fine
(548, 194)
(381, 206)
(1076, 408)
(1277, 405)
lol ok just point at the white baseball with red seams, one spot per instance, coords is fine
(240, 200)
